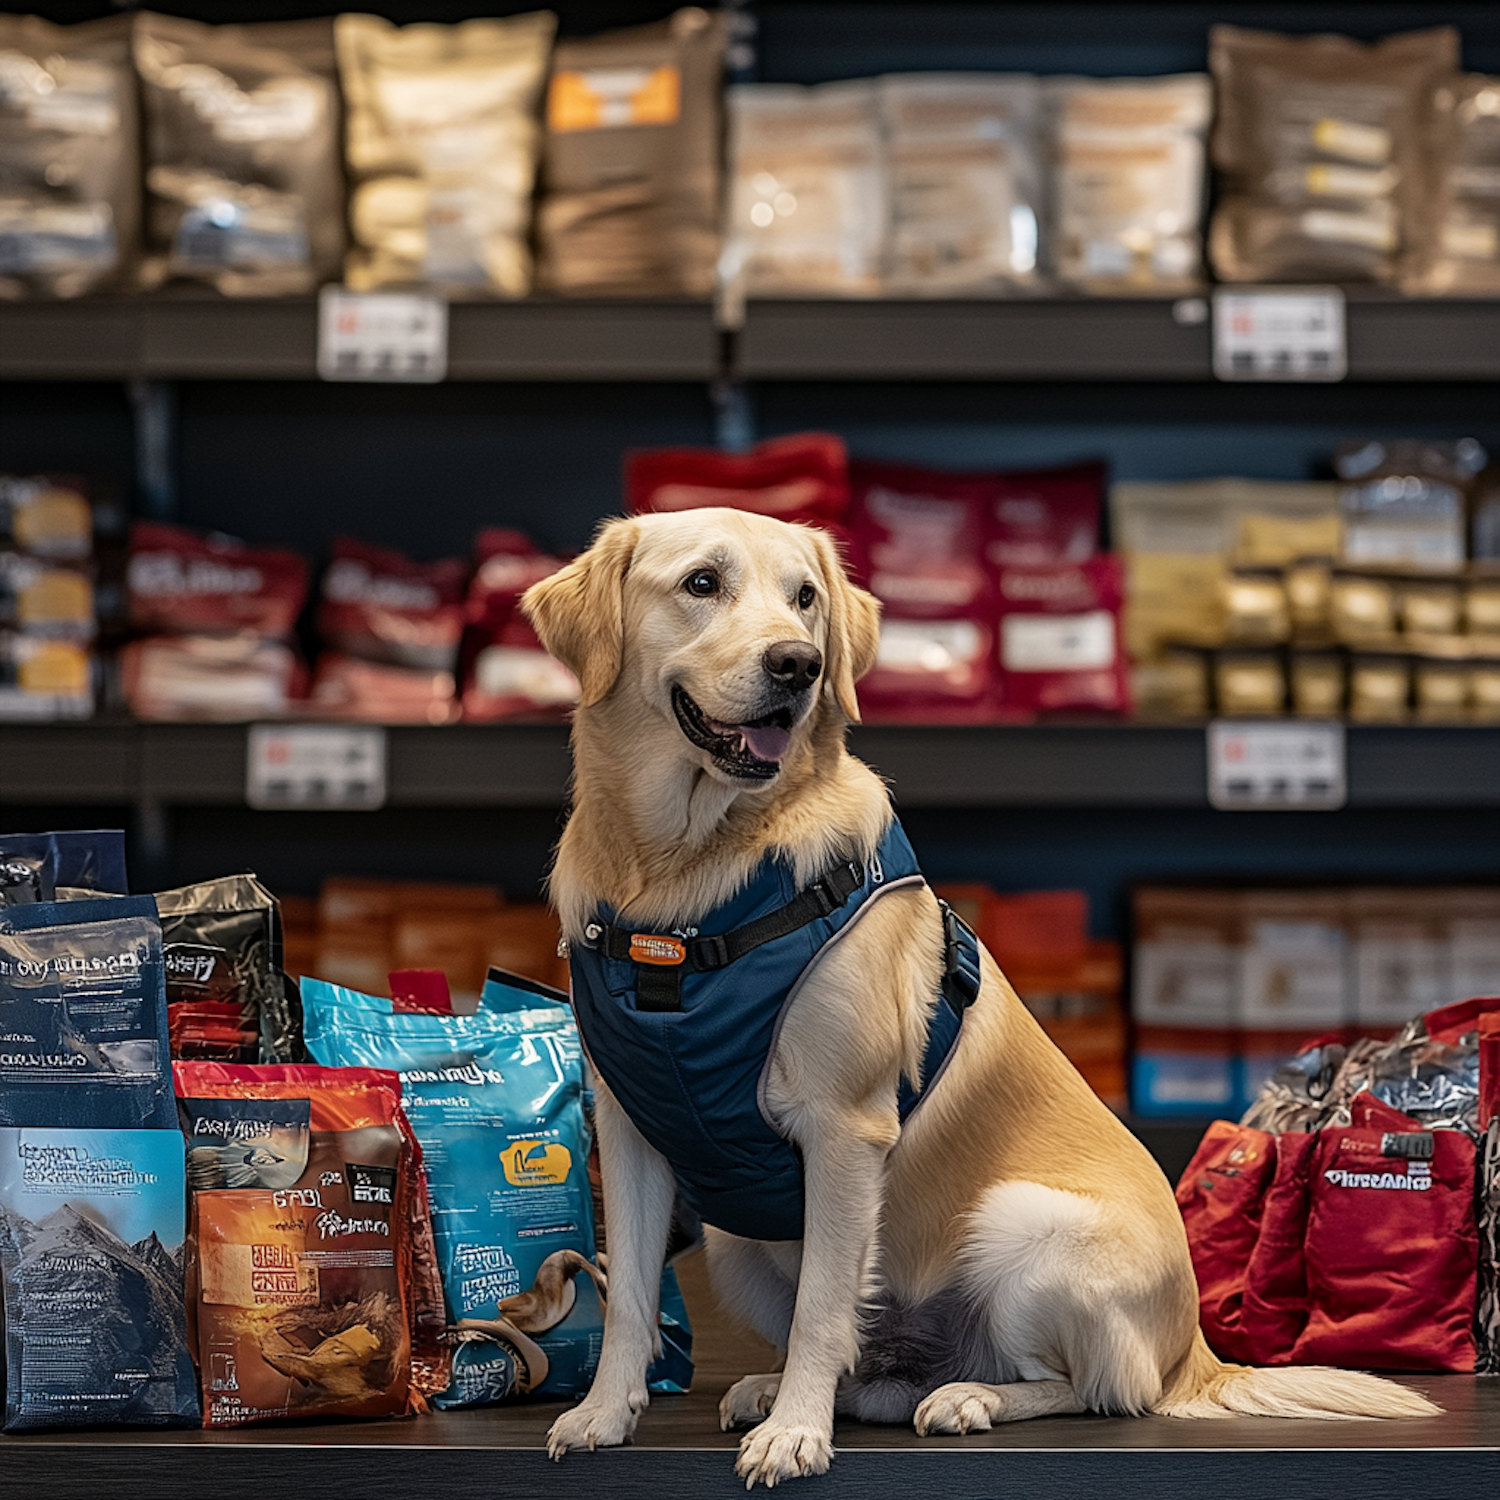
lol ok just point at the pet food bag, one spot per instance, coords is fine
(1040, 517)
(227, 997)
(1350, 1246)
(1324, 144)
(38, 866)
(243, 178)
(1061, 645)
(1403, 501)
(91, 1250)
(442, 144)
(1128, 182)
(83, 1005)
(802, 478)
(48, 614)
(391, 629)
(918, 544)
(964, 181)
(807, 195)
(307, 1297)
(504, 670)
(497, 1100)
(215, 615)
(630, 197)
(70, 216)
(1461, 255)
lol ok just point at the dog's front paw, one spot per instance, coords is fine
(748, 1401)
(772, 1453)
(964, 1406)
(596, 1424)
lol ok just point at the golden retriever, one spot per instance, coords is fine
(1011, 1252)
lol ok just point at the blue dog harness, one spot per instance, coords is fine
(681, 1026)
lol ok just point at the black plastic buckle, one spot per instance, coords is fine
(710, 952)
(822, 893)
(953, 924)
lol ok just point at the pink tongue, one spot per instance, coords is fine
(766, 743)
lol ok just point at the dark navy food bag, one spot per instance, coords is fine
(83, 1016)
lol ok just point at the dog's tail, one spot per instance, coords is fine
(1205, 1387)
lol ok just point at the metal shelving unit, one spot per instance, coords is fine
(181, 337)
(210, 338)
(526, 765)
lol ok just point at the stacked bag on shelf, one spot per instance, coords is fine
(402, 641)
(1375, 596)
(997, 603)
(1337, 1224)
(1226, 982)
(473, 150)
(214, 620)
(48, 613)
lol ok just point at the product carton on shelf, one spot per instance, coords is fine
(1184, 984)
(1293, 977)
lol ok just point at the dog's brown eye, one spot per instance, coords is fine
(807, 596)
(702, 583)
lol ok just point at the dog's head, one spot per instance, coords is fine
(742, 630)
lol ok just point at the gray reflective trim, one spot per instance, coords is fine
(904, 883)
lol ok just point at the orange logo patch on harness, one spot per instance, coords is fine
(646, 948)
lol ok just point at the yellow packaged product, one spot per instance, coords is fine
(443, 132)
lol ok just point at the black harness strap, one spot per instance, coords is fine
(659, 985)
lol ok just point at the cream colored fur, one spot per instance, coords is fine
(1013, 1196)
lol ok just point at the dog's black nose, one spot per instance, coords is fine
(794, 664)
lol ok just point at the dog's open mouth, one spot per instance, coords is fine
(752, 750)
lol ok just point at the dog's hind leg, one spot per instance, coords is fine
(1073, 1307)
(968, 1406)
(638, 1195)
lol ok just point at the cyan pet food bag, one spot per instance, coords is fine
(497, 1102)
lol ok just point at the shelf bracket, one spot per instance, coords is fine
(154, 404)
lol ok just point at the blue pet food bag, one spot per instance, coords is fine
(91, 859)
(497, 1102)
(91, 1231)
(83, 1016)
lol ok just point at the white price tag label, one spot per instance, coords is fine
(1285, 333)
(1274, 765)
(398, 336)
(315, 766)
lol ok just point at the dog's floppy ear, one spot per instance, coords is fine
(579, 612)
(853, 626)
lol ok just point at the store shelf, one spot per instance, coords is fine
(1088, 339)
(526, 765)
(1056, 339)
(207, 338)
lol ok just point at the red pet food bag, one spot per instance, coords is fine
(917, 540)
(1037, 517)
(180, 583)
(1060, 645)
(1221, 1196)
(804, 478)
(505, 672)
(381, 606)
(312, 1277)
